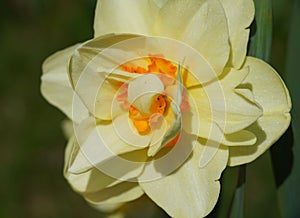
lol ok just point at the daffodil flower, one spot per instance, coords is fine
(162, 99)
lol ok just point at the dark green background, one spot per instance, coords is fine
(32, 143)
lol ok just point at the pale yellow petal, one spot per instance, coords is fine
(160, 3)
(231, 109)
(94, 75)
(107, 175)
(142, 90)
(126, 166)
(92, 55)
(240, 138)
(125, 130)
(241, 109)
(198, 65)
(131, 16)
(123, 192)
(102, 145)
(56, 86)
(158, 135)
(189, 80)
(106, 105)
(89, 181)
(201, 24)
(268, 88)
(93, 68)
(271, 93)
(267, 129)
(168, 159)
(190, 191)
(240, 112)
(240, 14)
(200, 122)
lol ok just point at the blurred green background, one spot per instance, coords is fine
(32, 143)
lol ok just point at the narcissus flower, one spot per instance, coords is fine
(162, 99)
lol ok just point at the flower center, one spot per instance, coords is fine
(149, 96)
(145, 122)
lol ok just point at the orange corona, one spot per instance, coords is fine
(166, 71)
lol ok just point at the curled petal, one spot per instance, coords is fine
(142, 90)
(211, 131)
(56, 86)
(268, 88)
(102, 146)
(271, 93)
(93, 75)
(240, 14)
(219, 102)
(89, 181)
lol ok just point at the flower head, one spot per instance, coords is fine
(162, 99)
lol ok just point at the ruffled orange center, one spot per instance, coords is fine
(166, 72)
(145, 122)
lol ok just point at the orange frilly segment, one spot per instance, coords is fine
(145, 122)
(134, 69)
(161, 65)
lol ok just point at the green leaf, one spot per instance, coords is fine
(237, 210)
(228, 181)
(286, 156)
(260, 189)
(261, 30)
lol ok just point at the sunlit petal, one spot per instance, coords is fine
(240, 14)
(131, 16)
(271, 93)
(190, 191)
